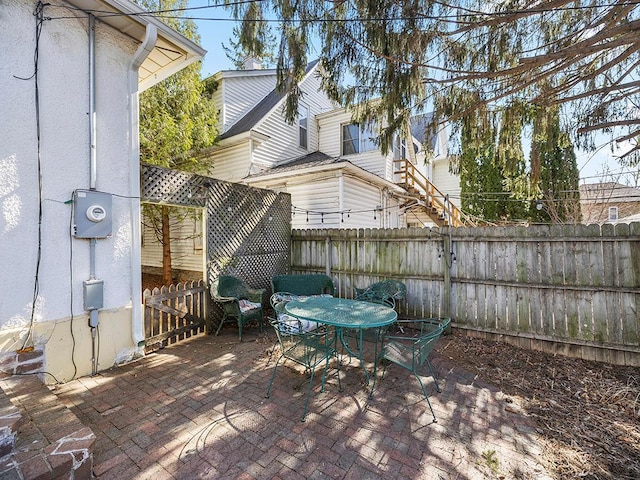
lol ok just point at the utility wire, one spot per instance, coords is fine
(477, 16)
(40, 19)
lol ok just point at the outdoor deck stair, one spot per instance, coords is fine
(428, 198)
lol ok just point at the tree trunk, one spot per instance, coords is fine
(166, 247)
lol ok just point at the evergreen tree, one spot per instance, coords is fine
(177, 120)
(558, 170)
(410, 53)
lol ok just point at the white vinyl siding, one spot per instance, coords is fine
(283, 142)
(362, 199)
(321, 195)
(445, 181)
(330, 142)
(329, 125)
(241, 94)
(231, 164)
(183, 254)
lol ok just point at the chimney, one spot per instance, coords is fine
(251, 63)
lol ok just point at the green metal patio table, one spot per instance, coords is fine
(344, 313)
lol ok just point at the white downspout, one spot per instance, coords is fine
(137, 324)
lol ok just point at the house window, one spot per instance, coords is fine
(400, 149)
(613, 214)
(303, 129)
(357, 139)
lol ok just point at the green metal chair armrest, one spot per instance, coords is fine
(255, 294)
(223, 299)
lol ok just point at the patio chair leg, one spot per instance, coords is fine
(306, 402)
(224, 317)
(424, 392)
(375, 366)
(435, 378)
(273, 376)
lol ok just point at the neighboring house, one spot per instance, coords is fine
(335, 173)
(608, 202)
(70, 177)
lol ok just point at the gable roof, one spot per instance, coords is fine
(419, 131)
(171, 52)
(314, 159)
(261, 109)
(607, 192)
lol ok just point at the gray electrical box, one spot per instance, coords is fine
(92, 214)
(93, 292)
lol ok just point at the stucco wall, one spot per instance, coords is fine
(64, 261)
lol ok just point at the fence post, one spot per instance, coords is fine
(327, 251)
(447, 258)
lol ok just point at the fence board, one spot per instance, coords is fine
(577, 285)
(174, 313)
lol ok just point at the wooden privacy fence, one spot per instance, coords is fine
(571, 289)
(174, 313)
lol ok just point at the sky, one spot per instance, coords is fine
(215, 27)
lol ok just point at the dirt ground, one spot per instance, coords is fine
(588, 413)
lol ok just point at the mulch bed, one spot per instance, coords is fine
(588, 413)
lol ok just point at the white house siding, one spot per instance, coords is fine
(362, 199)
(331, 144)
(317, 195)
(445, 181)
(64, 139)
(217, 99)
(373, 162)
(242, 93)
(232, 163)
(187, 250)
(330, 126)
(283, 144)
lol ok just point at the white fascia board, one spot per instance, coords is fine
(241, 138)
(172, 52)
(222, 74)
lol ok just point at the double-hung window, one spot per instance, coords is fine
(303, 127)
(357, 139)
(613, 214)
(399, 148)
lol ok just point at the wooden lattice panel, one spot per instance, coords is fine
(173, 187)
(248, 230)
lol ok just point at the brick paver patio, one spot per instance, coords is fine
(197, 410)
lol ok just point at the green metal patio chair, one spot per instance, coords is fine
(304, 344)
(371, 335)
(238, 301)
(387, 288)
(411, 349)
